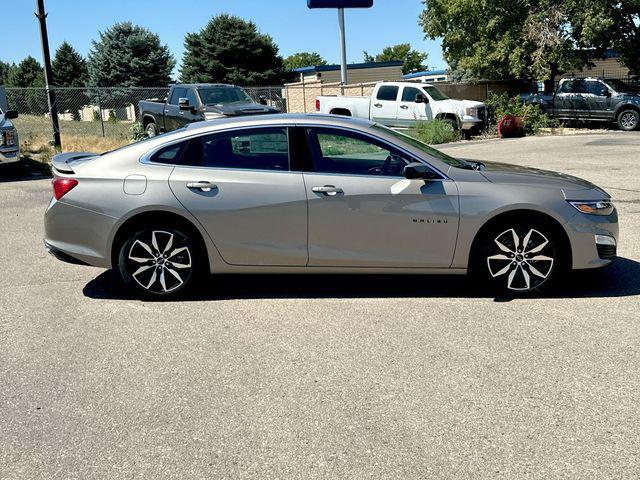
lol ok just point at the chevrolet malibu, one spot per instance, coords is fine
(318, 193)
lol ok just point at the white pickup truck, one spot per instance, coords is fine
(401, 104)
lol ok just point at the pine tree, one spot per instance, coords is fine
(231, 50)
(69, 68)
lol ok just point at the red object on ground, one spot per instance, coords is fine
(511, 126)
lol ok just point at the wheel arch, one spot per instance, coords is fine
(518, 214)
(626, 106)
(150, 218)
(147, 119)
(451, 116)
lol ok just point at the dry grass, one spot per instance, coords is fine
(39, 148)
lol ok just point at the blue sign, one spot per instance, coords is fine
(339, 3)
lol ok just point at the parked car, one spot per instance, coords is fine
(318, 193)
(9, 141)
(591, 99)
(193, 103)
(401, 104)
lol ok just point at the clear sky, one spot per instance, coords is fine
(292, 25)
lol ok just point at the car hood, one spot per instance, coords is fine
(515, 174)
(462, 104)
(238, 109)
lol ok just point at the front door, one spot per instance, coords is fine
(409, 111)
(385, 105)
(364, 213)
(239, 186)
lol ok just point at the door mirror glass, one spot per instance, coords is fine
(183, 103)
(605, 92)
(263, 100)
(420, 98)
(416, 170)
(11, 114)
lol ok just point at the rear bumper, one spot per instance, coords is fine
(76, 235)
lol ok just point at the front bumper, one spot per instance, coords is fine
(594, 240)
(9, 154)
(472, 124)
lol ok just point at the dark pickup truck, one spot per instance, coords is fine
(193, 103)
(591, 99)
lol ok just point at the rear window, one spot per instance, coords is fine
(388, 92)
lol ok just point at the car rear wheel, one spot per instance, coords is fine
(151, 130)
(520, 258)
(159, 262)
(628, 120)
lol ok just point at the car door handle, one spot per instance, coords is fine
(202, 186)
(404, 107)
(377, 105)
(327, 190)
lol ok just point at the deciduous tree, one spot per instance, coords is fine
(303, 59)
(413, 60)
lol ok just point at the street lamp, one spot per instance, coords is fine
(341, 5)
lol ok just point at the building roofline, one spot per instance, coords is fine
(350, 66)
(425, 73)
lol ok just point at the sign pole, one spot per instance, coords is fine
(343, 47)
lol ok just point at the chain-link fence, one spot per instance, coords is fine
(97, 112)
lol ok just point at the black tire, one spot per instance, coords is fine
(151, 130)
(453, 122)
(508, 266)
(160, 262)
(628, 119)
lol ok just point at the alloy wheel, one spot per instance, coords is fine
(160, 262)
(629, 121)
(521, 260)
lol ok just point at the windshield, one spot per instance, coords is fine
(221, 95)
(620, 86)
(436, 94)
(424, 147)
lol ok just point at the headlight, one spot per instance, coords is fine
(471, 111)
(602, 207)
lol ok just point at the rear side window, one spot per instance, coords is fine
(177, 94)
(254, 149)
(567, 87)
(388, 92)
(169, 155)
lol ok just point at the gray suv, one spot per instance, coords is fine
(591, 99)
(318, 193)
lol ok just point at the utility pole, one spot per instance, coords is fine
(48, 74)
(343, 47)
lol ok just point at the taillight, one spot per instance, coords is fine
(317, 104)
(62, 186)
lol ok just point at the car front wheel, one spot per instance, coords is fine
(158, 262)
(628, 120)
(520, 258)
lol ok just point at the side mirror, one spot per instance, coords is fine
(416, 170)
(11, 114)
(263, 100)
(183, 103)
(605, 93)
(421, 98)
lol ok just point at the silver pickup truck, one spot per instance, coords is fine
(9, 144)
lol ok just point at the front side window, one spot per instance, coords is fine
(177, 94)
(388, 93)
(567, 87)
(255, 149)
(349, 153)
(409, 94)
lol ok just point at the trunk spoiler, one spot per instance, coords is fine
(63, 162)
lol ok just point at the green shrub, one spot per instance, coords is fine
(498, 106)
(434, 132)
(137, 132)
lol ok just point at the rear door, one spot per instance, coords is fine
(384, 107)
(364, 213)
(409, 111)
(239, 186)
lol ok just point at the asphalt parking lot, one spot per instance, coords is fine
(325, 377)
